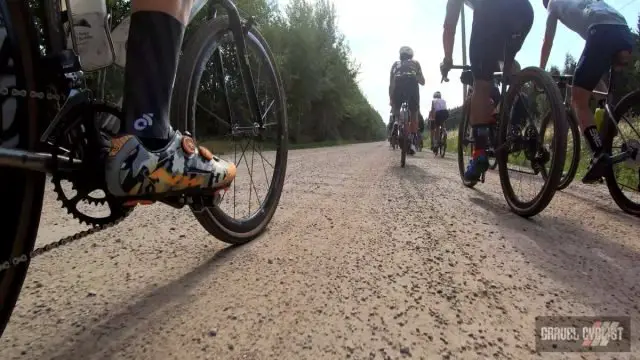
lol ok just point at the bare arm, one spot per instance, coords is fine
(420, 75)
(547, 43)
(450, 23)
(391, 81)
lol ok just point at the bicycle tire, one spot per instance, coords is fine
(623, 202)
(403, 149)
(443, 144)
(462, 134)
(21, 191)
(544, 81)
(196, 54)
(493, 163)
(568, 177)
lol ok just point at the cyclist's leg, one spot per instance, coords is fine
(603, 44)
(152, 158)
(414, 107)
(489, 33)
(432, 131)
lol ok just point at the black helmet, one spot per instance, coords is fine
(406, 53)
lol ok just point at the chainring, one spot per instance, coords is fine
(75, 144)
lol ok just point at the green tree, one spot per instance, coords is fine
(324, 101)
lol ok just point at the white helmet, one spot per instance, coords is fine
(437, 95)
(407, 52)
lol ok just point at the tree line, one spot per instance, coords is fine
(324, 101)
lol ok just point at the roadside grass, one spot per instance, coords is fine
(624, 174)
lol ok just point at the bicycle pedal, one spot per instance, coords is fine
(132, 203)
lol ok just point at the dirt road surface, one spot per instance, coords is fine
(363, 260)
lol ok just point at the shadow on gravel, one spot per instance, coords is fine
(410, 171)
(604, 274)
(98, 342)
(608, 206)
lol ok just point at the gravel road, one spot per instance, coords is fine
(363, 260)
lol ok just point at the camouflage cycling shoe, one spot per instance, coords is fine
(181, 166)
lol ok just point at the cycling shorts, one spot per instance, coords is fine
(604, 42)
(406, 89)
(492, 30)
(440, 117)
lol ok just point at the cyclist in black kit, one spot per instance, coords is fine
(405, 76)
(494, 22)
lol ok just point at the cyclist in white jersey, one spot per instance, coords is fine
(608, 42)
(439, 114)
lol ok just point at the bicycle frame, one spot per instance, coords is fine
(610, 99)
(65, 59)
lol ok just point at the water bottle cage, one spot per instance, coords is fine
(73, 23)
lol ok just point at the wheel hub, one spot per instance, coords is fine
(632, 147)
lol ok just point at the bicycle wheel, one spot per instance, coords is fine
(443, 143)
(625, 175)
(541, 80)
(573, 146)
(204, 42)
(465, 144)
(404, 144)
(21, 191)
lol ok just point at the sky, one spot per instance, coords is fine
(376, 29)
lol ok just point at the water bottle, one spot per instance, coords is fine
(90, 33)
(598, 116)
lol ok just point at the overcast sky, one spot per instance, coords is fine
(376, 29)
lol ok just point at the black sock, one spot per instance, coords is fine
(480, 136)
(592, 136)
(153, 48)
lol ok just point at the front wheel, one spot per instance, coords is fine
(623, 178)
(403, 140)
(523, 148)
(443, 143)
(21, 191)
(573, 148)
(225, 105)
(465, 144)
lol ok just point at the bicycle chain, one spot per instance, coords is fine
(40, 95)
(15, 261)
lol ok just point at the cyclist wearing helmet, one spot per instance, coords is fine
(489, 32)
(607, 37)
(150, 157)
(404, 78)
(439, 114)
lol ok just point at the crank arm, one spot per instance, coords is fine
(42, 162)
(621, 157)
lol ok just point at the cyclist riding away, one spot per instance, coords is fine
(489, 32)
(608, 41)
(439, 114)
(405, 76)
(150, 157)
